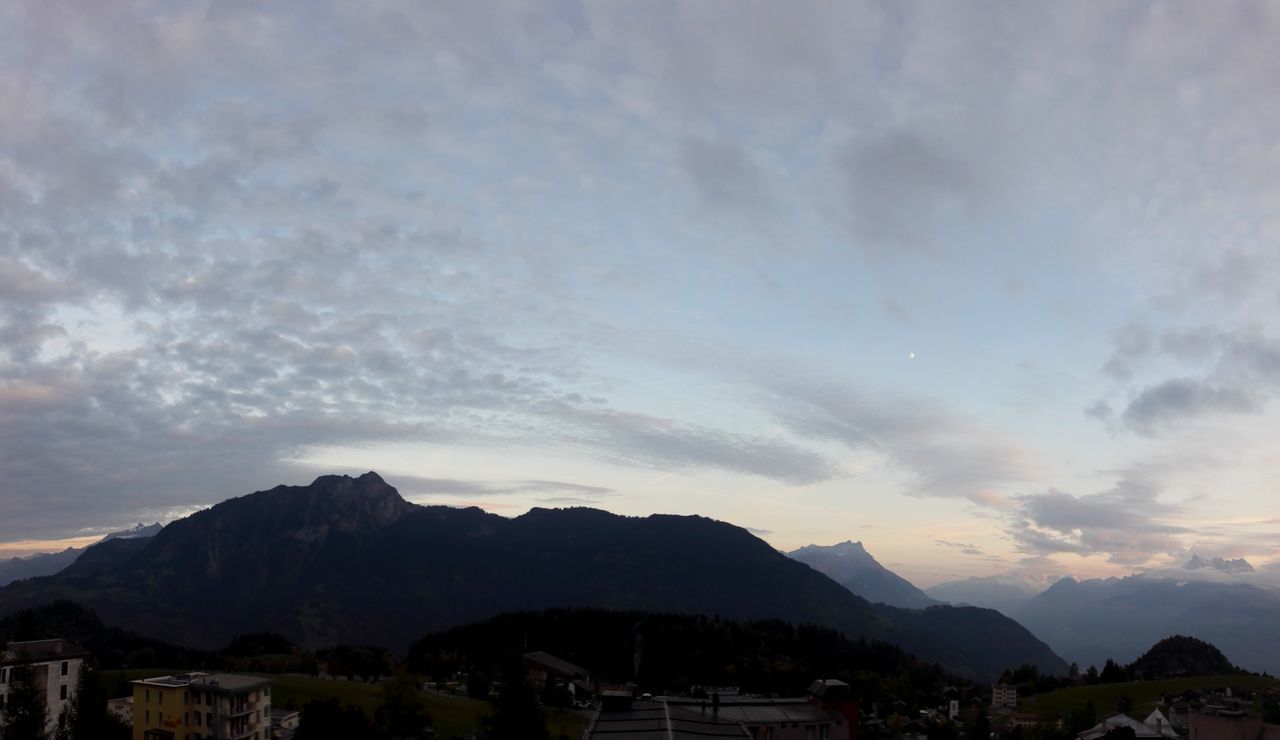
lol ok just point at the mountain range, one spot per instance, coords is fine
(1093, 620)
(1004, 592)
(849, 564)
(347, 560)
(46, 564)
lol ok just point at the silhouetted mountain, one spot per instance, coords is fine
(348, 561)
(46, 564)
(1117, 618)
(1006, 592)
(850, 565)
(1178, 656)
(1230, 567)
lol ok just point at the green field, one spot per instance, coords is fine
(1143, 694)
(452, 715)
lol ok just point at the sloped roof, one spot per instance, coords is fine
(42, 651)
(563, 667)
(1161, 724)
(1115, 721)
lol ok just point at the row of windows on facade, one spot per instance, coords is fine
(62, 695)
(4, 672)
(193, 697)
(240, 722)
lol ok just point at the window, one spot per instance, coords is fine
(160, 716)
(64, 667)
(197, 719)
(161, 693)
(148, 715)
(62, 692)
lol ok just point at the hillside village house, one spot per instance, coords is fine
(202, 706)
(56, 663)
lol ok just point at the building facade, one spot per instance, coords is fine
(56, 664)
(202, 706)
(1004, 697)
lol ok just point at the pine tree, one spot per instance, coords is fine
(25, 713)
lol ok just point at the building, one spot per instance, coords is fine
(544, 668)
(122, 709)
(828, 713)
(1214, 722)
(202, 706)
(1156, 726)
(284, 722)
(1004, 697)
(653, 719)
(56, 664)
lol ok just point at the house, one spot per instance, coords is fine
(1156, 726)
(544, 668)
(56, 664)
(284, 722)
(202, 706)
(1004, 697)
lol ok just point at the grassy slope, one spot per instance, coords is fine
(453, 715)
(1143, 694)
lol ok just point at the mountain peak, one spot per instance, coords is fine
(1239, 565)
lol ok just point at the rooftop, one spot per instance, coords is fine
(42, 651)
(225, 683)
(564, 667)
(653, 720)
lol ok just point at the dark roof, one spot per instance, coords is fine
(832, 689)
(222, 683)
(755, 711)
(42, 651)
(656, 721)
(563, 667)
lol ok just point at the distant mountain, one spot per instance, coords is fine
(348, 560)
(1005, 592)
(850, 565)
(46, 564)
(1230, 567)
(1091, 621)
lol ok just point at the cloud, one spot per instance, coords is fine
(722, 173)
(943, 453)
(1128, 523)
(1239, 374)
(961, 547)
(903, 185)
(1165, 404)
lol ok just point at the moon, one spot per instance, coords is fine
(911, 355)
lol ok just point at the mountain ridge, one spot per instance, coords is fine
(348, 560)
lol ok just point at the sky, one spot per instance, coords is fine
(986, 286)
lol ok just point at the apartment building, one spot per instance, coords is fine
(202, 706)
(56, 663)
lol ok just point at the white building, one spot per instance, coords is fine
(121, 708)
(56, 664)
(1004, 697)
